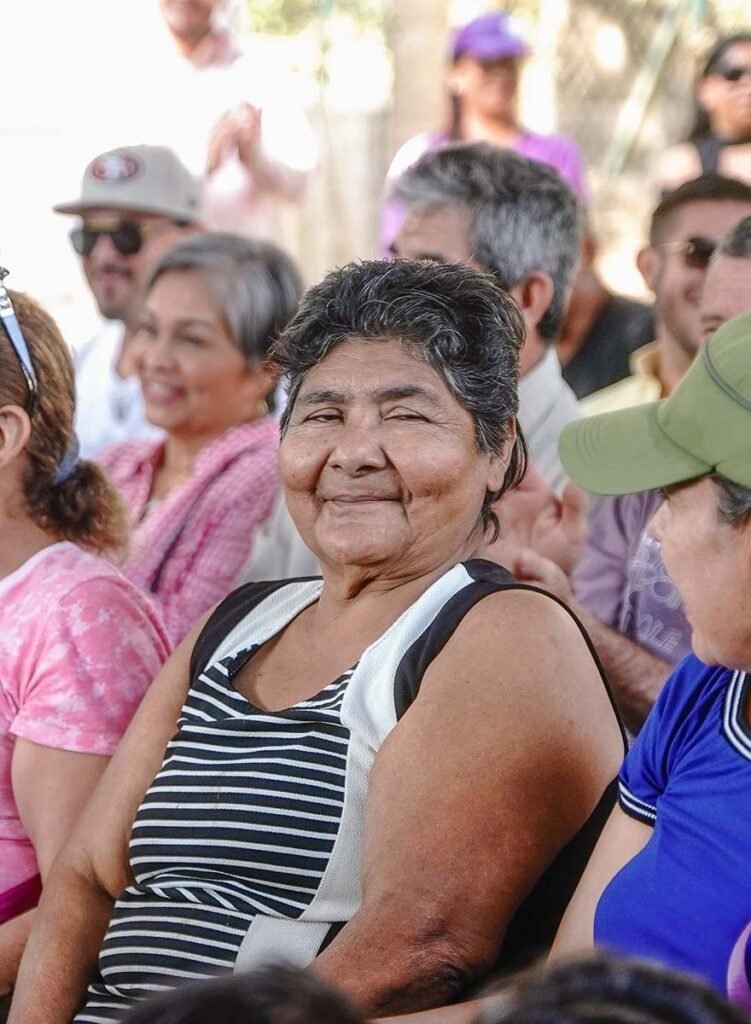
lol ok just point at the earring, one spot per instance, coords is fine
(262, 408)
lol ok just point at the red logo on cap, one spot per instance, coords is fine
(115, 167)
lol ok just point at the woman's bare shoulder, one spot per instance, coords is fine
(677, 164)
(514, 617)
(530, 645)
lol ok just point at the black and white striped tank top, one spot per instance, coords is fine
(247, 845)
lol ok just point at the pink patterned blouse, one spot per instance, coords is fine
(187, 550)
(79, 645)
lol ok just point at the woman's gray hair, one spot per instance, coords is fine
(254, 284)
(451, 316)
(524, 215)
(734, 502)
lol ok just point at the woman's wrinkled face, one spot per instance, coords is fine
(380, 463)
(194, 378)
(710, 563)
(487, 87)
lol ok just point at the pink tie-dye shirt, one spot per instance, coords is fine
(79, 645)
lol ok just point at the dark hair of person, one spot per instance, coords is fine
(255, 285)
(524, 216)
(83, 508)
(701, 125)
(604, 989)
(273, 994)
(734, 504)
(454, 318)
(708, 188)
(455, 118)
(737, 242)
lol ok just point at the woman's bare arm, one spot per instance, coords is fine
(622, 838)
(501, 759)
(92, 868)
(50, 787)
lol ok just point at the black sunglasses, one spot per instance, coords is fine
(18, 342)
(733, 73)
(126, 236)
(696, 251)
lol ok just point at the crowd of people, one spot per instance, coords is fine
(362, 647)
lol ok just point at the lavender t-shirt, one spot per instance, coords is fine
(557, 151)
(622, 580)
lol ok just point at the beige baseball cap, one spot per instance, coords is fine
(144, 179)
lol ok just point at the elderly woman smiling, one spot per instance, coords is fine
(378, 773)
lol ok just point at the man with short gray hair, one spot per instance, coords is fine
(519, 221)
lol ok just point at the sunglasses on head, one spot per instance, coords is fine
(696, 251)
(18, 342)
(733, 73)
(126, 236)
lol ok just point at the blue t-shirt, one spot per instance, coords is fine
(685, 899)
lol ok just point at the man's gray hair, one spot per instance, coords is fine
(737, 242)
(524, 215)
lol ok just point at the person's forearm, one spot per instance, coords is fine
(407, 973)
(274, 176)
(62, 949)
(635, 675)
(13, 937)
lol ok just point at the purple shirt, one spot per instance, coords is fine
(622, 580)
(557, 151)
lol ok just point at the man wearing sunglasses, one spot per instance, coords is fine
(621, 589)
(135, 203)
(685, 229)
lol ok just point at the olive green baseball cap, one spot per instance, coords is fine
(703, 427)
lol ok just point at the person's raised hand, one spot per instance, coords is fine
(530, 567)
(237, 132)
(560, 530)
(249, 130)
(531, 516)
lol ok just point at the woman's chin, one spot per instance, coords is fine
(353, 555)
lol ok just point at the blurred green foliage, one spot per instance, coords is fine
(289, 17)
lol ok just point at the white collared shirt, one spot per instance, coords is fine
(109, 408)
(546, 405)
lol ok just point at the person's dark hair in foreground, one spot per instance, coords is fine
(609, 990)
(274, 994)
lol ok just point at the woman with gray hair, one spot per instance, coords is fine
(213, 307)
(378, 773)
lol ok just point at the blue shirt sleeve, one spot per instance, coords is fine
(649, 763)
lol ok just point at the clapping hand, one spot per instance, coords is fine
(237, 132)
(534, 519)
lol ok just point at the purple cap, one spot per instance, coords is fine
(488, 37)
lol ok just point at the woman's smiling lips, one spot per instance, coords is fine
(160, 392)
(349, 501)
